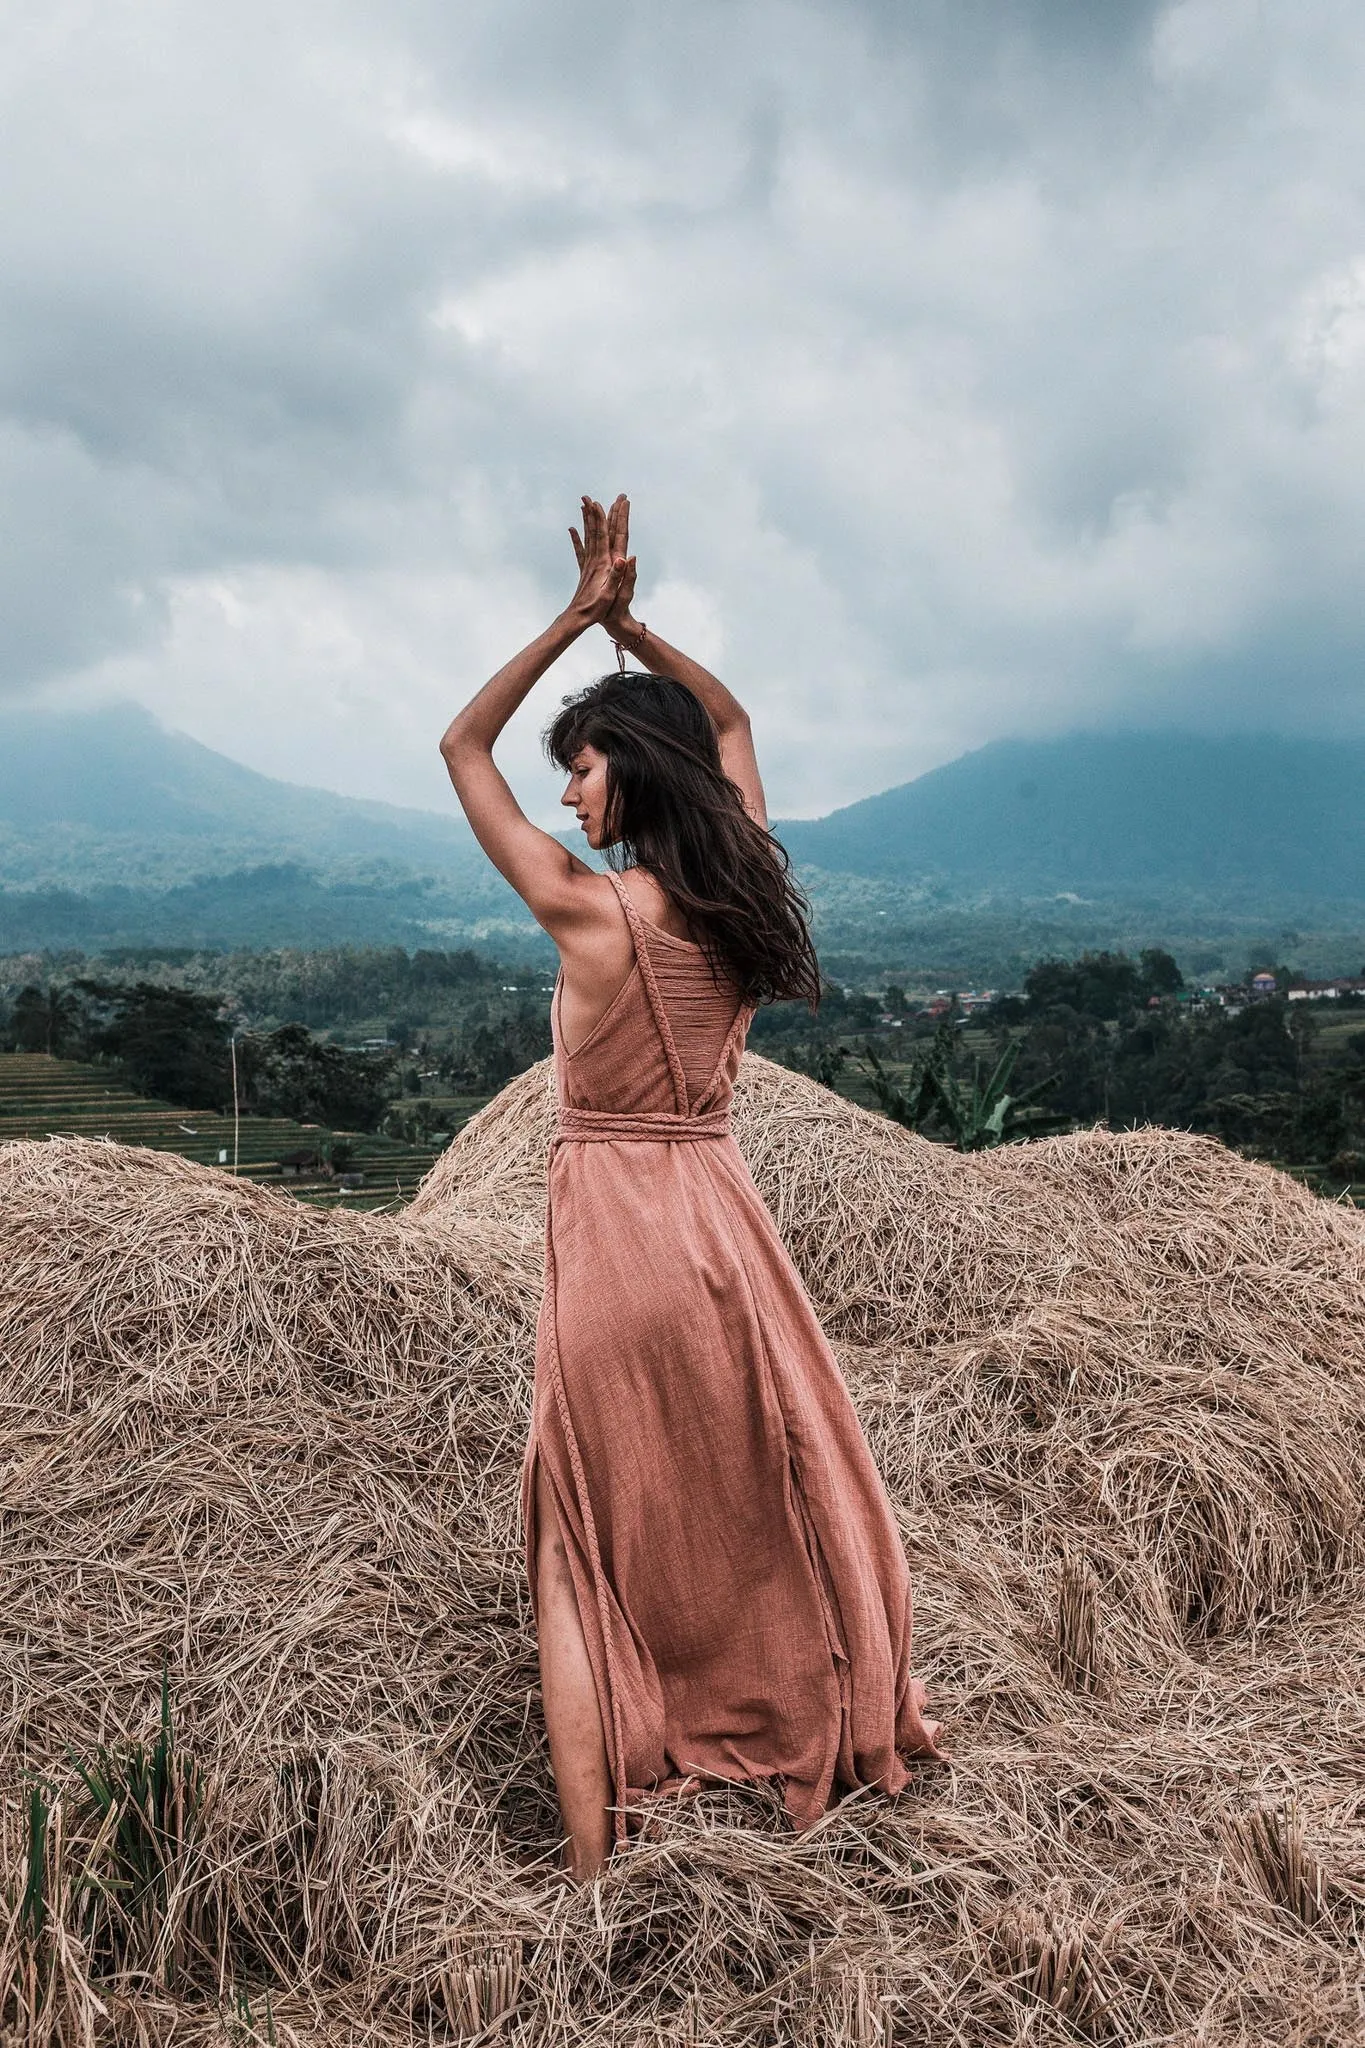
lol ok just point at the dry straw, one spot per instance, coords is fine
(1117, 1386)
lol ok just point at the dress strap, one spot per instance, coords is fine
(640, 941)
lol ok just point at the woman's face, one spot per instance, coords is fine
(586, 794)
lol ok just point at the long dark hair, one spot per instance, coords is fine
(673, 811)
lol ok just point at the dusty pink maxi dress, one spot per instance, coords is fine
(743, 1590)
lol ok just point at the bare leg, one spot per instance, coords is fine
(573, 1719)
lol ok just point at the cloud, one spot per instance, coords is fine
(973, 369)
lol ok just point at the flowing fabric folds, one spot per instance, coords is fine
(744, 1594)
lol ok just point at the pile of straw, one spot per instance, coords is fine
(1117, 1386)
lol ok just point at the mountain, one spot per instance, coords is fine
(116, 832)
(112, 794)
(1231, 819)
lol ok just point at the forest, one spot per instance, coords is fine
(1103, 1038)
(337, 1037)
(358, 1037)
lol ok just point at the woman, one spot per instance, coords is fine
(718, 1585)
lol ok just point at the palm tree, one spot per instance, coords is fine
(46, 1019)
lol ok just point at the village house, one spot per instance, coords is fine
(1328, 991)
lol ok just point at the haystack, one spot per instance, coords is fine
(1116, 1383)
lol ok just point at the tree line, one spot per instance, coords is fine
(1102, 1038)
(165, 1016)
(181, 1046)
(1268, 1076)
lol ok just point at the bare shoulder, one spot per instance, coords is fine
(596, 949)
(590, 903)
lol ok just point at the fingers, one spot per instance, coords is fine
(604, 532)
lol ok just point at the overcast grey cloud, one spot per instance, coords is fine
(974, 368)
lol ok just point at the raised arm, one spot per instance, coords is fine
(548, 878)
(727, 714)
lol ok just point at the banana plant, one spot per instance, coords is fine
(975, 1114)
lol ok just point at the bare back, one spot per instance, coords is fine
(598, 958)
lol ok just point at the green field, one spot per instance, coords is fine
(42, 1097)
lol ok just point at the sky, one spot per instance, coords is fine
(976, 368)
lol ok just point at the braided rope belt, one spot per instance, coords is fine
(592, 1126)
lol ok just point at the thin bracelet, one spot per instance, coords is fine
(620, 649)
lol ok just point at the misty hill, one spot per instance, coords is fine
(116, 832)
(111, 795)
(1231, 819)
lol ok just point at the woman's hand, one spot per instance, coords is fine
(602, 567)
(618, 621)
(726, 714)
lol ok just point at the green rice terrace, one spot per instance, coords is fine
(42, 1097)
